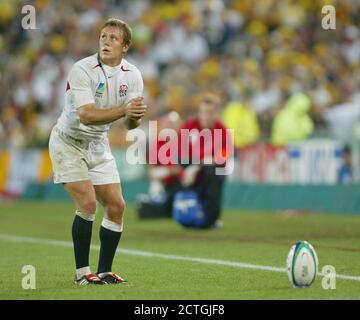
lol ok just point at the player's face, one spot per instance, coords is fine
(111, 47)
(207, 115)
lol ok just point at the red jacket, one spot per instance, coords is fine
(211, 142)
(155, 160)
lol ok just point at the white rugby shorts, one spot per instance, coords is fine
(78, 160)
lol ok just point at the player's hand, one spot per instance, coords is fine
(135, 108)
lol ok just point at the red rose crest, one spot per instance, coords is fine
(123, 90)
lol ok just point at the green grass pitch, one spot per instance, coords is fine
(259, 238)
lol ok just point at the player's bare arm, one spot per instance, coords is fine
(132, 123)
(133, 111)
(88, 170)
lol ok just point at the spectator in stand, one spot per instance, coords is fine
(243, 120)
(341, 119)
(293, 122)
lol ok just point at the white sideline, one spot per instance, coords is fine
(241, 265)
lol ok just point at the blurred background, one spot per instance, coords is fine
(289, 88)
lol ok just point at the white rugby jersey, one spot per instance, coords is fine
(89, 81)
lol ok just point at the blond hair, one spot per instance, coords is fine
(210, 99)
(123, 26)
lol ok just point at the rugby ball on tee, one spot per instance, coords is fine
(302, 264)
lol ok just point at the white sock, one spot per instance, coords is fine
(85, 216)
(108, 224)
(82, 272)
(100, 275)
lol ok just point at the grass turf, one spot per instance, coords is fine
(260, 238)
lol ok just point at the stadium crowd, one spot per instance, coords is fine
(266, 59)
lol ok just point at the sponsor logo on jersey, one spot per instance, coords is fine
(123, 69)
(100, 90)
(123, 89)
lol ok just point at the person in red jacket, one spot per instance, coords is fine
(204, 147)
(164, 176)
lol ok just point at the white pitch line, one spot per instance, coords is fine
(241, 265)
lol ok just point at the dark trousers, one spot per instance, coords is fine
(170, 191)
(209, 188)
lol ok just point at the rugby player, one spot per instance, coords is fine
(101, 89)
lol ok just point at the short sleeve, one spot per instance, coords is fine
(79, 84)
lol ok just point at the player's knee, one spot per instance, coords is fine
(88, 205)
(115, 210)
(119, 206)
